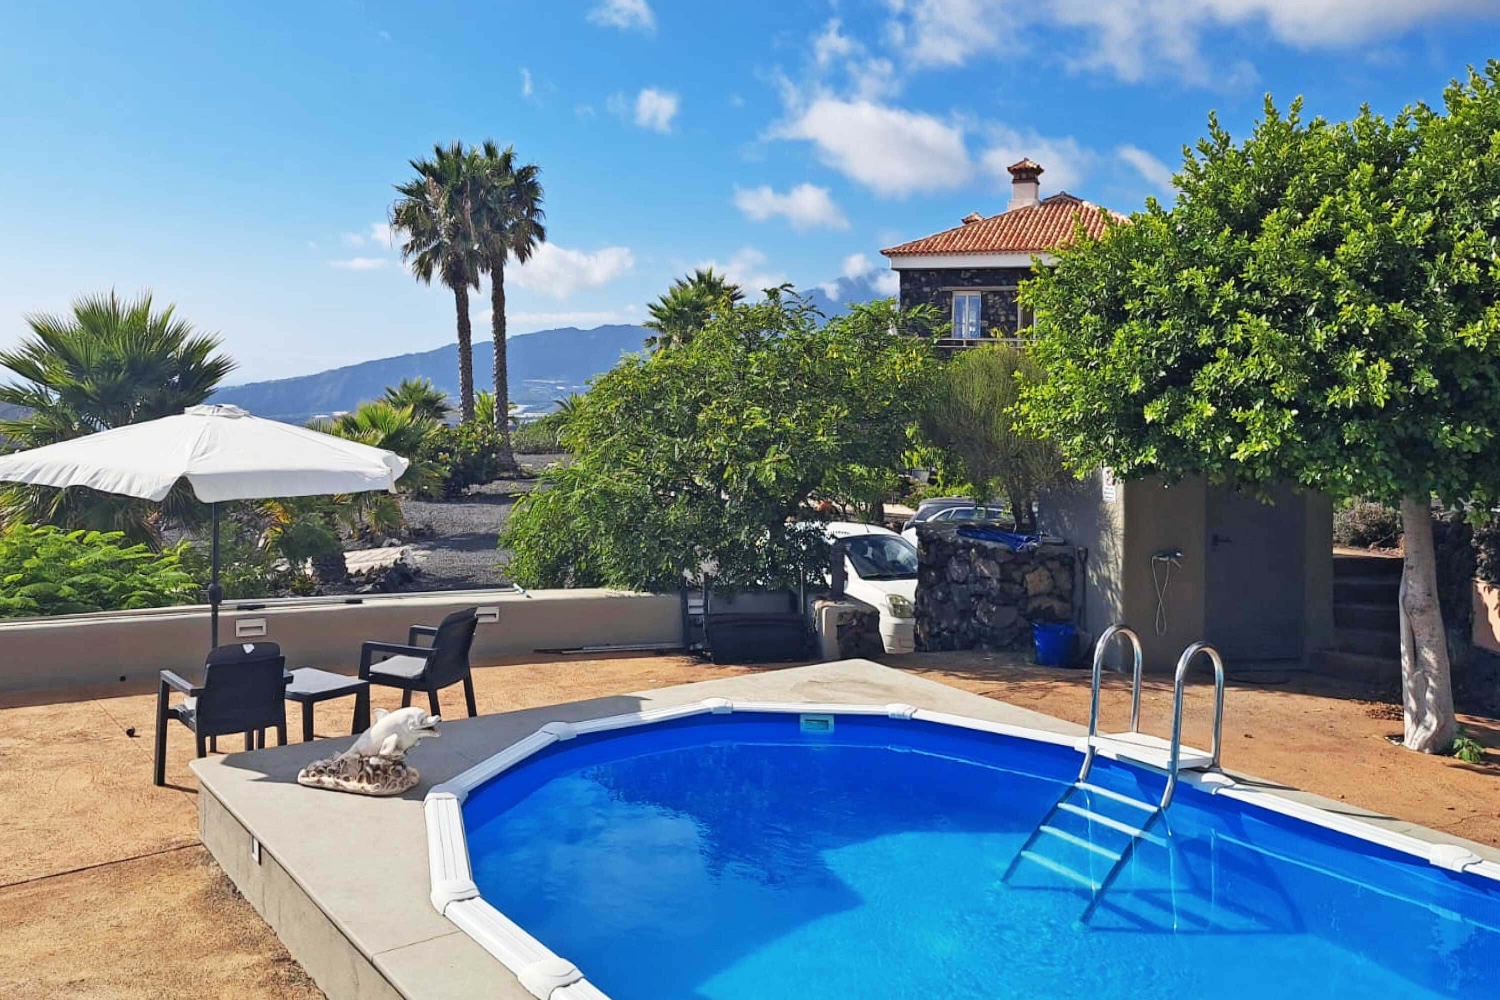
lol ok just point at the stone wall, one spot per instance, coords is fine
(997, 307)
(975, 594)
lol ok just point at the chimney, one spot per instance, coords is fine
(972, 218)
(1024, 184)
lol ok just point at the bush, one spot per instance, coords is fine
(706, 454)
(539, 437)
(49, 571)
(1367, 525)
(463, 456)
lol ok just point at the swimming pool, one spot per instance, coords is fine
(748, 854)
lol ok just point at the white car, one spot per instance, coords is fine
(881, 569)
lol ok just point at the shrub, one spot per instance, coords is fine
(1364, 524)
(49, 571)
(542, 436)
(462, 456)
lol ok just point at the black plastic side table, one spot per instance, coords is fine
(309, 685)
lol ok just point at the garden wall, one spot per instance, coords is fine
(131, 646)
(976, 594)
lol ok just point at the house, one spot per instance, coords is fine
(970, 273)
(1179, 562)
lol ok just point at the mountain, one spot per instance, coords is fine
(544, 367)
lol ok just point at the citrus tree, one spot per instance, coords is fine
(1318, 306)
(706, 455)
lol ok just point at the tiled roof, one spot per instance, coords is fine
(1034, 229)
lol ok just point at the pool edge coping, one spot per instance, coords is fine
(549, 976)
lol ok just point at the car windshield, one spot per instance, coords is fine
(882, 557)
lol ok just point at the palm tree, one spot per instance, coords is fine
(435, 217)
(509, 223)
(687, 307)
(425, 399)
(380, 424)
(108, 363)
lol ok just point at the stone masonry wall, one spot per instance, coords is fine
(997, 308)
(974, 594)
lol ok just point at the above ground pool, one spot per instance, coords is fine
(756, 854)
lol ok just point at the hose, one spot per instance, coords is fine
(1161, 583)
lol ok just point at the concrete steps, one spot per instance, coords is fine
(1367, 632)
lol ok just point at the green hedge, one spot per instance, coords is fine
(50, 571)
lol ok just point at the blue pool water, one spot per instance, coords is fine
(736, 858)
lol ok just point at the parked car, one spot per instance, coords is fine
(966, 511)
(881, 570)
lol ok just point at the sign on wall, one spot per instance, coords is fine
(1109, 487)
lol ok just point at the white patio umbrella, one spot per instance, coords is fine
(223, 452)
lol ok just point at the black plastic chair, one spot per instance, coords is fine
(413, 667)
(243, 691)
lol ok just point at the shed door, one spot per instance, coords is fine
(1254, 575)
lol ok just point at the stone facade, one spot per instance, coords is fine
(975, 594)
(996, 285)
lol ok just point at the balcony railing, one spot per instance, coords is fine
(960, 343)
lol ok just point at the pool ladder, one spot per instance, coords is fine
(1135, 821)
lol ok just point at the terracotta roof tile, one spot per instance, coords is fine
(1037, 228)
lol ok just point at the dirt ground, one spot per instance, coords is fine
(106, 893)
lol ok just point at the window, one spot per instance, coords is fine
(882, 557)
(966, 316)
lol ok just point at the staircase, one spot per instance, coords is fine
(1367, 632)
(1090, 833)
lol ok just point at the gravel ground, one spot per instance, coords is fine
(460, 553)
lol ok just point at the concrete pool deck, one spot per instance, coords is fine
(343, 880)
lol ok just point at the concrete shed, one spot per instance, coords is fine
(1253, 578)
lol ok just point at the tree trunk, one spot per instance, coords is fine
(502, 367)
(1426, 694)
(465, 355)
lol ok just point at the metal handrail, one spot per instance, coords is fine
(1100, 647)
(1183, 662)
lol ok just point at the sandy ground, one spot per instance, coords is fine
(105, 893)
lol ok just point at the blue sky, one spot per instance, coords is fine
(238, 158)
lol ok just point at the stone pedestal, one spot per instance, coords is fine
(978, 594)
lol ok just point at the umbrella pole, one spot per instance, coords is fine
(215, 592)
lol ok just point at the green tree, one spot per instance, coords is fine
(434, 220)
(425, 399)
(688, 305)
(708, 453)
(1319, 306)
(107, 363)
(970, 413)
(509, 223)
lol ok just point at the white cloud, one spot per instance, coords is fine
(832, 44)
(655, 109)
(747, 268)
(1064, 160)
(624, 14)
(377, 234)
(360, 263)
(886, 283)
(560, 272)
(804, 206)
(1153, 171)
(857, 265)
(526, 86)
(1136, 39)
(525, 322)
(890, 150)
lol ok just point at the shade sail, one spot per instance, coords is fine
(223, 452)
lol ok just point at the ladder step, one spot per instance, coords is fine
(1078, 841)
(1113, 824)
(1115, 796)
(1061, 869)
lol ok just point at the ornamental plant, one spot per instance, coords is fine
(49, 571)
(1321, 306)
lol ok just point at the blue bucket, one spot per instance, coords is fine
(1054, 643)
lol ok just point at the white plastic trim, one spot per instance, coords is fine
(447, 851)
(550, 977)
